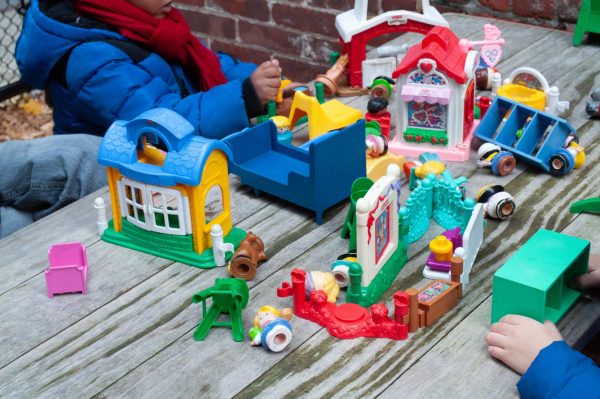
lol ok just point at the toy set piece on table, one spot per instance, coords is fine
(158, 197)
(590, 205)
(246, 259)
(588, 21)
(229, 296)
(534, 282)
(501, 163)
(592, 108)
(67, 270)
(491, 52)
(272, 329)
(538, 138)
(356, 30)
(381, 254)
(497, 202)
(435, 85)
(465, 245)
(311, 176)
(412, 309)
(529, 87)
(322, 118)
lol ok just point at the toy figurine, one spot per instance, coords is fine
(245, 260)
(498, 204)
(272, 328)
(377, 111)
(592, 108)
(323, 281)
(491, 155)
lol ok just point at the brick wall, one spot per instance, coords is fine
(301, 33)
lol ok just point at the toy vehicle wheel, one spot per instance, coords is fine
(503, 164)
(381, 88)
(242, 267)
(561, 163)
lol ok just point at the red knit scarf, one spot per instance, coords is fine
(170, 37)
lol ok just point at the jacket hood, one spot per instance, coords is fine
(50, 30)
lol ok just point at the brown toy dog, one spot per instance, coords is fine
(245, 260)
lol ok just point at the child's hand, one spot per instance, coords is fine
(266, 80)
(517, 340)
(590, 279)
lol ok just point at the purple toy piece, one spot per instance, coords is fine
(457, 241)
(68, 269)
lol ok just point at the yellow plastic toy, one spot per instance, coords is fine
(529, 87)
(524, 95)
(322, 118)
(435, 167)
(442, 248)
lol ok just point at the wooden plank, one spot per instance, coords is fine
(144, 319)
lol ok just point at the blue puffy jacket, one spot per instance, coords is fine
(100, 83)
(560, 372)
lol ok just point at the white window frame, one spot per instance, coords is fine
(149, 210)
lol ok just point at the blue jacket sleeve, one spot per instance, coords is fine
(108, 85)
(560, 372)
(233, 68)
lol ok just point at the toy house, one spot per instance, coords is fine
(164, 182)
(534, 282)
(356, 30)
(435, 83)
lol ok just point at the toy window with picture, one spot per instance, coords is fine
(427, 116)
(377, 226)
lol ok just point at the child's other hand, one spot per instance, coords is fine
(591, 279)
(266, 80)
(517, 340)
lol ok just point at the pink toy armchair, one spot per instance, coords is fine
(68, 269)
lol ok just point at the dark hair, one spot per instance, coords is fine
(377, 104)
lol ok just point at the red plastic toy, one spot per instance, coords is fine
(348, 320)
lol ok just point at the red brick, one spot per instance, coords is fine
(300, 70)
(318, 49)
(543, 9)
(393, 5)
(301, 18)
(213, 25)
(345, 5)
(496, 5)
(272, 37)
(242, 52)
(568, 10)
(255, 9)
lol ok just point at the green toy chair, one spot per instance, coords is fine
(588, 21)
(229, 296)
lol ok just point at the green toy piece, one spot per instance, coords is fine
(320, 92)
(229, 296)
(359, 188)
(588, 21)
(534, 282)
(590, 205)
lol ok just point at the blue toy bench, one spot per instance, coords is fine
(315, 176)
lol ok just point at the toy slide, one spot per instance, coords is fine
(314, 176)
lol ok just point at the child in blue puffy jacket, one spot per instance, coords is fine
(103, 60)
(550, 368)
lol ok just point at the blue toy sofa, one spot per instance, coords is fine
(315, 176)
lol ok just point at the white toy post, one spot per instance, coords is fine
(219, 247)
(101, 222)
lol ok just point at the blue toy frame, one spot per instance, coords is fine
(315, 176)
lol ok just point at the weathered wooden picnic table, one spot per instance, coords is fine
(131, 335)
